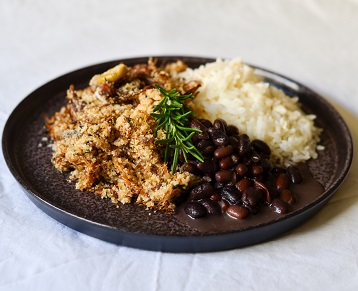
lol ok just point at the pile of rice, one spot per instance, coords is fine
(231, 90)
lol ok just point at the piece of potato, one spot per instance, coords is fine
(110, 76)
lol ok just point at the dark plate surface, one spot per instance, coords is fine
(28, 155)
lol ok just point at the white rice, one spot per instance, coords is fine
(231, 90)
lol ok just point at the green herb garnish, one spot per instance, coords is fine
(171, 115)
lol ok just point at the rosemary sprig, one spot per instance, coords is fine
(171, 115)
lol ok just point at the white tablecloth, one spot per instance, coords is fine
(313, 42)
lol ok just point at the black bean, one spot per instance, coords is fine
(195, 140)
(204, 143)
(282, 182)
(242, 170)
(251, 196)
(227, 163)
(232, 130)
(206, 147)
(208, 166)
(224, 176)
(243, 184)
(207, 123)
(195, 123)
(208, 150)
(237, 211)
(256, 171)
(220, 124)
(219, 137)
(244, 145)
(223, 152)
(287, 196)
(195, 209)
(204, 190)
(261, 147)
(279, 206)
(191, 168)
(198, 136)
(234, 141)
(231, 195)
(294, 174)
(212, 207)
(255, 157)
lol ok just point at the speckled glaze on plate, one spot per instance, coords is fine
(28, 155)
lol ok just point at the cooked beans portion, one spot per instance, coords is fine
(237, 177)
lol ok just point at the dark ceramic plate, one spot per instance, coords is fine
(28, 158)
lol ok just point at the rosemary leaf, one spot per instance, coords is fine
(172, 118)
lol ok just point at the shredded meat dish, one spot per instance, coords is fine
(104, 137)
